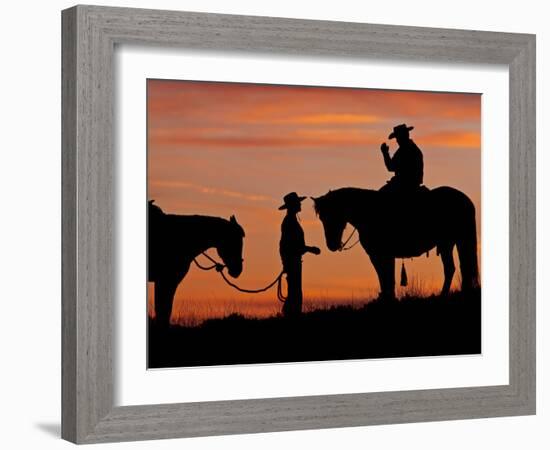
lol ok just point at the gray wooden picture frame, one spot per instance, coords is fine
(90, 34)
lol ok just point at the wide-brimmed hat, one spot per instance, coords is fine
(291, 200)
(400, 129)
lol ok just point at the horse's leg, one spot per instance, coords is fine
(165, 288)
(446, 254)
(385, 269)
(390, 277)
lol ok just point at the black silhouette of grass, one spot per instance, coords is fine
(411, 326)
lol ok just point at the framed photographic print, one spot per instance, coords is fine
(305, 210)
(240, 151)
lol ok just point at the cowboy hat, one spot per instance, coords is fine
(399, 129)
(291, 199)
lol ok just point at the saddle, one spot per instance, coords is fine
(407, 199)
(394, 186)
(403, 211)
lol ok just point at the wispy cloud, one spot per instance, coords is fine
(208, 190)
(452, 139)
(329, 119)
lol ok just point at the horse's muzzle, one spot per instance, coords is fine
(235, 273)
(334, 246)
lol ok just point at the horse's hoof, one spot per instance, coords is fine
(386, 298)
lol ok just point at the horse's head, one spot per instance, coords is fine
(231, 248)
(329, 211)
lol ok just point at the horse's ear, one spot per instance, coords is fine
(315, 204)
(233, 220)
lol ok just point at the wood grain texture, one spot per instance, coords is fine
(89, 37)
(68, 225)
(523, 224)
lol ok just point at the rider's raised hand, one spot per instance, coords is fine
(384, 147)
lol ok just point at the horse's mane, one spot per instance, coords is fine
(155, 211)
(232, 222)
(337, 196)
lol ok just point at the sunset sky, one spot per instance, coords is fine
(230, 148)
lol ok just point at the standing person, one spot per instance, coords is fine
(291, 248)
(407, 162)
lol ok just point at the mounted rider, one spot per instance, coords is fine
(407, 162)
(408, 165)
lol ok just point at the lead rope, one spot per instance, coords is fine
(219, 268)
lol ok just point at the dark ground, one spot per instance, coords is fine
(407, 327)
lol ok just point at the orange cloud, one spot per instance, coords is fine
(452, 139)
(330, 119)
(207, 190)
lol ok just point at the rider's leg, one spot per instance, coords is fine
(293, 304)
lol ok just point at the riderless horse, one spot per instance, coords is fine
(402, 226)
(176, 240)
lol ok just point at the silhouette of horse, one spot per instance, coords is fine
(176, 240)
(404, 225)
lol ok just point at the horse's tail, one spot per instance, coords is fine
(467, 250)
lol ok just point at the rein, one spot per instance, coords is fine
(343, 247)
(219, 268)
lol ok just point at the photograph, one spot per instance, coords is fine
(311, 223)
